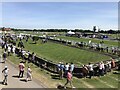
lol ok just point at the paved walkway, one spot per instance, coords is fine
(14, 81)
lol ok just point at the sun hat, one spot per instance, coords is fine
(6, 66)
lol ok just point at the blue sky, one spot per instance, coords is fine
(70, 15)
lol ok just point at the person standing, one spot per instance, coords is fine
(13, 49)
(9, 50)
(113, 63)
(29, 74)
(4, 56)
(103, 68)
(85, 71)
(72, 67)
(61, 70)
(21, 69)
(5, 72)
(66, 69)
(91, 71)
(33, 57)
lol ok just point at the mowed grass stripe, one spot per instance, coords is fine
(57, 52)
(81, 84)
(97, 83)
(112, 80)
(116, 79)
(114, 76)
(105, 81)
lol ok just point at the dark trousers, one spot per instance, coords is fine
(91, 73)
(21, 74)
(101, 72)
(68, 81)
(5, 79)
(65, 73)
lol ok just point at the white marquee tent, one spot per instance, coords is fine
(70, 32)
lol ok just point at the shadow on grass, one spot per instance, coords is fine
(54, 76)
(1, 82)
(15, 76)
(116, 72)
(32, 43)
(60, 87)
(23, 80)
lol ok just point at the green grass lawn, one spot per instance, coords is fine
(107, 42)
(108, 81)
(57, 52)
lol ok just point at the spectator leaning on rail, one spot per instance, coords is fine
(61, 70)
(85, 71)
(91, 71)
(4, 56)
(113, 63)
(109, 65)
(9, 50)
(71, 67)
(66, 69)
(23, 54)
(101, 69)
(58, 68)
(13, 49)
(5, 47)
(33, 57)
(28, 56)
(106, 67)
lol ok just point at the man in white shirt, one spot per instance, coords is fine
(101, 69)
(13, 50)
(72, 67)
(9, 50)
(91, 71)
(66, 69)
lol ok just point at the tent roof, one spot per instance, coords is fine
(70, 32)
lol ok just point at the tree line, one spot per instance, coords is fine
(66, 30)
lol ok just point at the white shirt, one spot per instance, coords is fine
(100, 67)
(14, 48)
(103, 66)
(90, 67)
(6, 72)
(29, 71)
(23, 52)
(9, 49)
(72, 67)
(66, 67)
